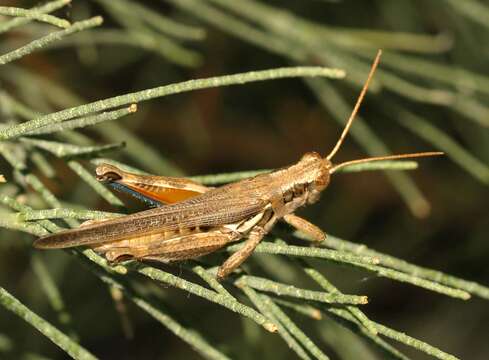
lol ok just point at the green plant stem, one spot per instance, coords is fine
(474, 10)
(167, 278)
(283, 331)
(42, 164)
(50, 289)
(60, 149)
(191, 337)
(329, 287)
(44, 41)
(142, 34)
(304, 251)
(166, 90)
(47, 195)
(450, 75)
(217, 179)
(406, 267)
(405, 277)
(444, 142)
(293, 328)
(98, 187)
(35, 15)
(46, 8)
(351, 323)
(162, 23)
(396, 165)
(91, 258)
(79, 214)
(280, 289)
(84, 121)
(11, 222)
(398, 336)
(15, 205)
(420, 282)
(212, 281)
(140, 151)
(64, 342)
(306, 310)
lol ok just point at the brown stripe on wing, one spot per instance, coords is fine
(203, 210)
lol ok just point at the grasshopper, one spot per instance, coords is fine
(200, 220)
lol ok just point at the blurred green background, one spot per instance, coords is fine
(434, 73)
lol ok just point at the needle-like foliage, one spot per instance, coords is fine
(47, 131)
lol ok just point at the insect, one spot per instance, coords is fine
(200, 220)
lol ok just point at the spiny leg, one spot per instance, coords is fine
(235, 260)
(305, 226)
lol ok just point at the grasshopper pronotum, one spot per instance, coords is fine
(199, 220)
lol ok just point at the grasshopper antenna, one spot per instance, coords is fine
(350, 122)
(388, 157)
(357, 106)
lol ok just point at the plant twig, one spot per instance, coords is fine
(293, 328)
(328, 286)
(398, 336)
(190, 85)
(283, 331)
(406, 267)
(274, 287)
(443, 142)
(306, 251)
(162, 276)
(64, 342)
(216, 179)
(159, 313)
(79, 214)
(51, 290)
(33, 14)
(84, 121)
(44, 41)
(304, 309)
(46, 8)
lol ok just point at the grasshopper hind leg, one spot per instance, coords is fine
(169, 250)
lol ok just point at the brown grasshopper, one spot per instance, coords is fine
(200, 220)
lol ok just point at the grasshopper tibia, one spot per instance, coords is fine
(235, 260)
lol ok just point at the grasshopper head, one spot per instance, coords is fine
(312, 174)
(320, 175)
(108, 173)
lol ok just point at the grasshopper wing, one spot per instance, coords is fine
(213, 208)
(154, 190)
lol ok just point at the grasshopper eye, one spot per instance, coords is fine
(299, 189)
(288, 196)
(109, 177)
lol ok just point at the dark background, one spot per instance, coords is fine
(267, 125)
